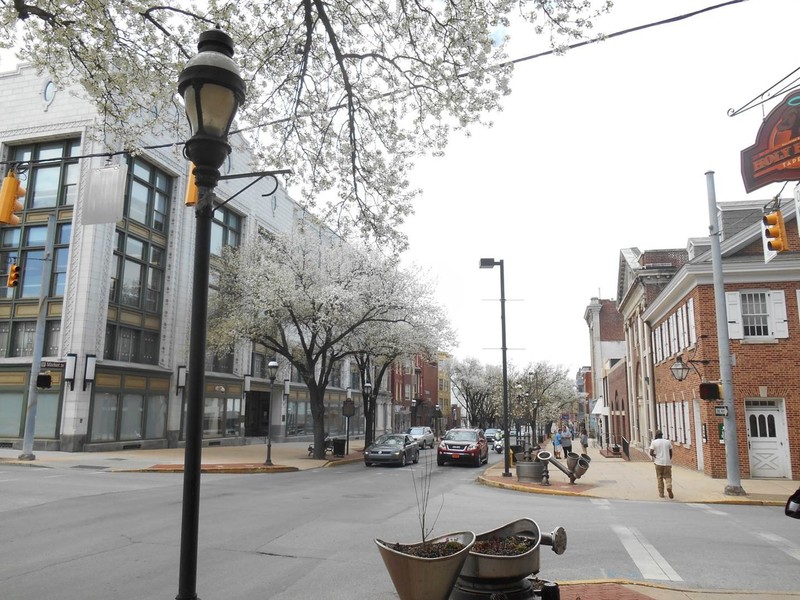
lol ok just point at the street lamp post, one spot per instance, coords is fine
(490, 263)
(272, 367)
(212, 90)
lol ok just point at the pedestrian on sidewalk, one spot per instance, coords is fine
(584, 441)
(557, 445)
(566, 441)
(661, 451)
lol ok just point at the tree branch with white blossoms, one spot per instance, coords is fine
(346, 93)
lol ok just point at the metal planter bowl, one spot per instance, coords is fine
(416, 578)
(490, 567)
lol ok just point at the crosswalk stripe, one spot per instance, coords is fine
(646, 558)
(782, 544)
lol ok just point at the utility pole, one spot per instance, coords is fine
(734, 487)
(38, 344)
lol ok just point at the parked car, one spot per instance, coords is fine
(423, 435)
(392, 448)
(493, 435)
(463, 445)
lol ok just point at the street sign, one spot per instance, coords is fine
(53, 364)
(721, 411)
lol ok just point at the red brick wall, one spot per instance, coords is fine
(772, 367)
(618, 402)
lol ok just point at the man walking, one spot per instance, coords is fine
(566, 441)
(661, 451)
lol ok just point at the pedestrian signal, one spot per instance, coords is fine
(710, 391)
(44, 381)
(10, 202)
(13, 276)
(775, 231)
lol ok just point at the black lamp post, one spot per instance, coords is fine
(490, 263)
(272, 367)
(212, 91)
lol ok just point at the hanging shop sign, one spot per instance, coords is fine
(776, 154)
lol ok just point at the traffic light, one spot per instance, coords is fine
(710, 391)
(775, 231)
(10, 202)
(192, 193)
(13, 275)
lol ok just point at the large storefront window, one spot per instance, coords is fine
(135, 410)
(300, 422)
(47, 404)
(10, 414)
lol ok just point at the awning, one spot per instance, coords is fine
(600, 407)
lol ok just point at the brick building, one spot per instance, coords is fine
(764, 333)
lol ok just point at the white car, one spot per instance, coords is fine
(423, 435)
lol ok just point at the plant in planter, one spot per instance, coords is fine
(426, 570)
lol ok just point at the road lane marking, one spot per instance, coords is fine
(707, 508)
(782, 544)
(644, 555)
(601, 503)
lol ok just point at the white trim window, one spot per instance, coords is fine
(757, 315)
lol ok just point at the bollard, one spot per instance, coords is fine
(550, 591)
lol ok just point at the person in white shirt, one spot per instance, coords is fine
(661, 451)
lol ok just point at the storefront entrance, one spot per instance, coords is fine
(257, 407)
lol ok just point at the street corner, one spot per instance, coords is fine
(555, 488)
(336, 461)
(213, 468)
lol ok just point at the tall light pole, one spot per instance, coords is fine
(489, 263)
(272, 368)
(212, 91)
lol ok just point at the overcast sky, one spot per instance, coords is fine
(601, 149)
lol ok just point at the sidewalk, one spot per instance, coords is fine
(611, 478)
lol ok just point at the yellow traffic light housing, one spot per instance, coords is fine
(775, 231)
(13, 276)
(192, 193)
(10, 202)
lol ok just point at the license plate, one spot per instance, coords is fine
(454, 455)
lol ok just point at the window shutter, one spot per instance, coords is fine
(690, 314)
(733, 302)
(780, 326)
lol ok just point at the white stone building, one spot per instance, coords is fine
(119, 301)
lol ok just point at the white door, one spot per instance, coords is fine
(766, 438)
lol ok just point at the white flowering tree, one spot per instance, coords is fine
(304, 296)
(476, 387)
(540, 391)
(420, 327)
(344, 92)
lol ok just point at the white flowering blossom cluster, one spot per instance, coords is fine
(346, 93)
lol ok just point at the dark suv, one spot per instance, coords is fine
(463, 445)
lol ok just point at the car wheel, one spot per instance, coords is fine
(416, 457)
(367, 464)
(440, 462)
(403, 460)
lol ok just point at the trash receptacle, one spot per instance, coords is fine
(339, 446)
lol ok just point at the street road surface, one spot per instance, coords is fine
(84, 533)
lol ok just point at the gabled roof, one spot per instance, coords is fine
(743, 219)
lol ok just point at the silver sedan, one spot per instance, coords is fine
(392, 448)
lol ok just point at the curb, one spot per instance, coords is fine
(486, 480)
